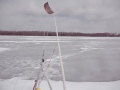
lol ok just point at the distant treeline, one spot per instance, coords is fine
(48, 33)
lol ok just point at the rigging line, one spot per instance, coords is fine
(38, 83)
(45, 41)
(47, 80)
(38, 77)
(43, 56)
(44, 50)
(48, 24)
(45, 35)
(34, 87)
(49, 62)
(62, 68)
(44, 47)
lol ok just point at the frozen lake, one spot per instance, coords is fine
(85, 58)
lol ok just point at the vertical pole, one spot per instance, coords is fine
(62, 68)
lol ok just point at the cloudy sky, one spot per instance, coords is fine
(71, 15)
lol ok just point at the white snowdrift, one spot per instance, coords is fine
(3, 49)
(16, 84)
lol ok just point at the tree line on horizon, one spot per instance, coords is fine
(49, 33)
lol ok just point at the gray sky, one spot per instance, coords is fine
(72, 15)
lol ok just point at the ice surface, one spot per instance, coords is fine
(85, 58)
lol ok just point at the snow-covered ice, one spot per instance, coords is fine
(4, 49)
(19, 84)
(90, 63)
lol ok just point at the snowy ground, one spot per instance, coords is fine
(15, 83)
(90, 63)
(3, 49)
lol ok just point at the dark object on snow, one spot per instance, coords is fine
(43, 60)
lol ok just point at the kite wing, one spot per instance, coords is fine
(47, 8)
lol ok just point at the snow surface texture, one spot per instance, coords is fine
(3, 49)
(85, 58)
(17, 84)
(89, 62)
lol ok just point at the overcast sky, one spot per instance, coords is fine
(72, 15)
